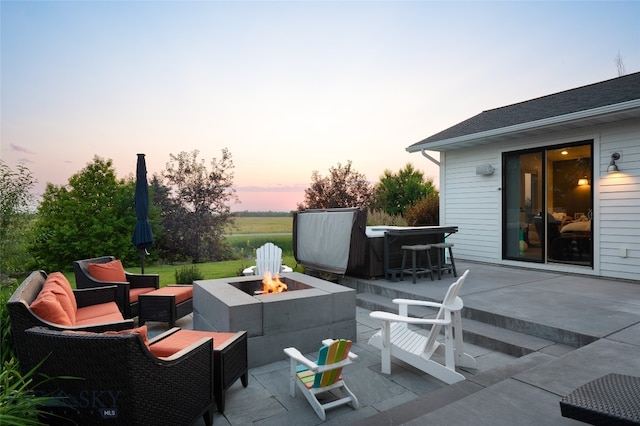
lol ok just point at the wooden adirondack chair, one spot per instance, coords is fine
(395, 339)
(268, 259)
(324, 375)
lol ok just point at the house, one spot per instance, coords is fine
(552, 183)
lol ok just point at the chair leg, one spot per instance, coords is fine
(453, 264)
(404, 259)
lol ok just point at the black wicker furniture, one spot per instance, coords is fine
(609, 400)
(230, 355)
(22, 317)
(115, 379)
(167, 304)
(128, 290)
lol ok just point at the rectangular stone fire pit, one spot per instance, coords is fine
(311, 311)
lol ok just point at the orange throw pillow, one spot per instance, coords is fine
(111, 271)
(142, 331)
(48, 307)
(58, 284)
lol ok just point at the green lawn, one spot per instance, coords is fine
(211, 270)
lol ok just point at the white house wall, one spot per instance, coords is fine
(474, 202)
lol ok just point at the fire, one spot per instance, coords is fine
(272, 285)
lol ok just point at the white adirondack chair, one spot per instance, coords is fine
(395, 339)
(268, 259)
(324, 375)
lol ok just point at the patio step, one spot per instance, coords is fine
(488, 336)
(421, 407)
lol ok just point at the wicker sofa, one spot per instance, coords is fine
(96, 310)
(119, 380)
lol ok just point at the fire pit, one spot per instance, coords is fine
(309, 311)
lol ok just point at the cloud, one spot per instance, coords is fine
(20, 149)
(25, 160)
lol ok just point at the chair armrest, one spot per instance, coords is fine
(417, 303)
(94, 296)
(102, 327)
(455, 306)
(296, 355)
(387, 316)
(143, 280)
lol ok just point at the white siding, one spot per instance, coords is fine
(474, 202)
(619, 202)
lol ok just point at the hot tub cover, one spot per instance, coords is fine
(331, 240)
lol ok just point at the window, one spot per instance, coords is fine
(547, 204)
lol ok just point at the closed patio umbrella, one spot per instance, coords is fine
(142, 236)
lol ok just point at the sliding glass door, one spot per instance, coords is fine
(547, 204)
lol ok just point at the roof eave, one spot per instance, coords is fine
(487, 136)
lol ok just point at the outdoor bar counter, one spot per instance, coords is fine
(384, 253)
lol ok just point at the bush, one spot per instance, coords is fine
(188, 274)
(380, 217)
(5, 330)
(425, 212)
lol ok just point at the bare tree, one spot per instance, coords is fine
(620, 65)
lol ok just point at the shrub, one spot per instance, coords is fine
(5, 324)
(380, 217)
(188, 274)
(424, 212)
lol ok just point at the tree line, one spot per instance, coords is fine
(190, 208)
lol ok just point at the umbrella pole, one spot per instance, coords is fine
(142, 259)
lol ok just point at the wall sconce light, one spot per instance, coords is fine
(613, 168)
(583, 181)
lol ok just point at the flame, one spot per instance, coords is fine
(272, 285)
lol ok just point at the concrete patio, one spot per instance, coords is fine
(536, 336)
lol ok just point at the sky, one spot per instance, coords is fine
(288, 87)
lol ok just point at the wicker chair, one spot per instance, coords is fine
(115, 379)
(134, 283)
(23, 318)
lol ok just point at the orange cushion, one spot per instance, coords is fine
(96, 314)
(182, 293)
(47, 306)
(137, 291)
(183, 338)
(58, 285)
(110, 271)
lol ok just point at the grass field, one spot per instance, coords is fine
(250, 233)
(262, 225)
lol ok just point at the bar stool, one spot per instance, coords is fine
(415, 261)
(442, 266)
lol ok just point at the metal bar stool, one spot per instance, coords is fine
(442, 266)
(416, 269)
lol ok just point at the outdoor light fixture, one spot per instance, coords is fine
(613, 168)
(583, 181)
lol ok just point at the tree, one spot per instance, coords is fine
(396, 192)
(91, 216)
(196, 206)
(344, 187)
(15, 200)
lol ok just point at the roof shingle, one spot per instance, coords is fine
(609, 92)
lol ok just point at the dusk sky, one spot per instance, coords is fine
(288, 87)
